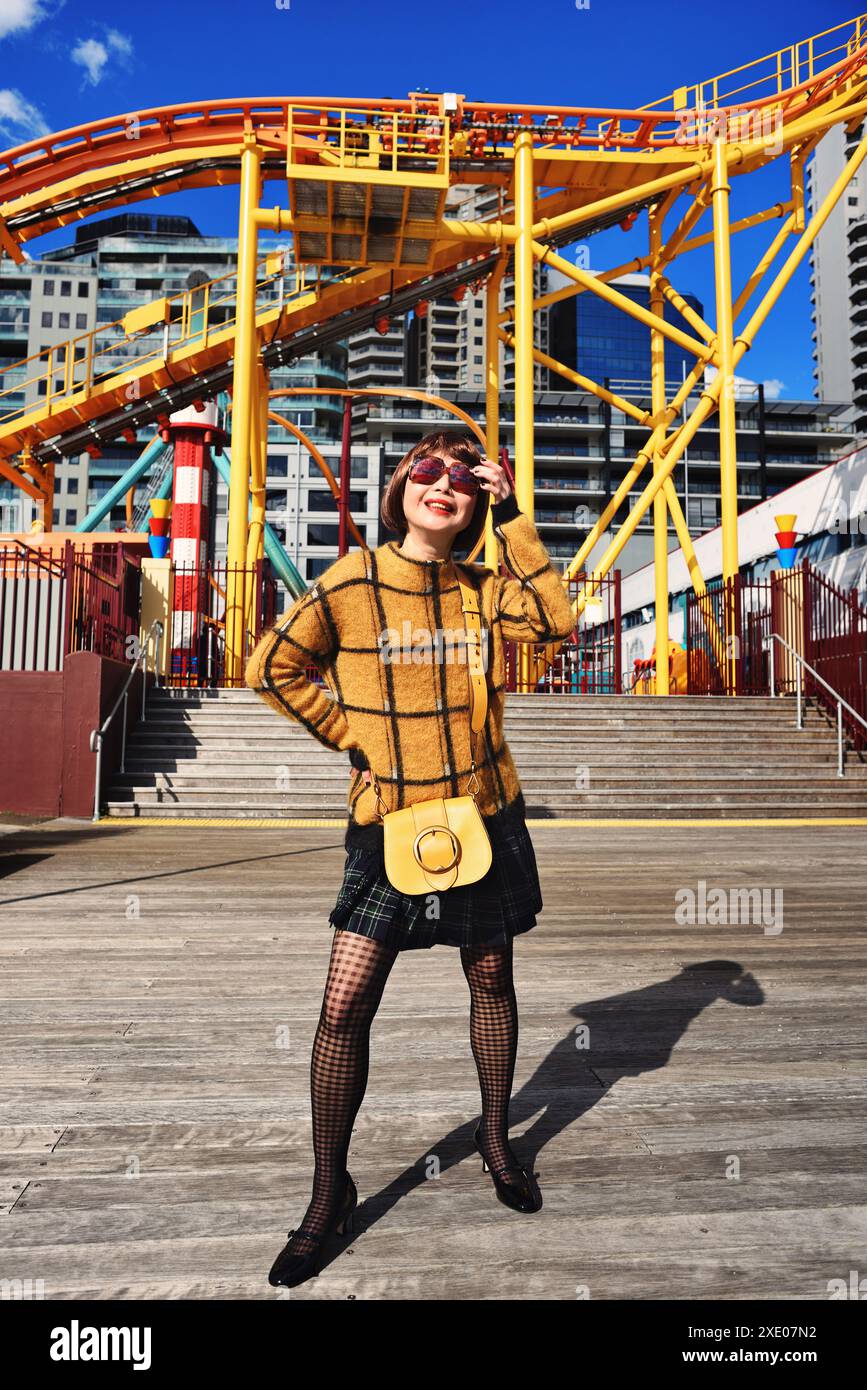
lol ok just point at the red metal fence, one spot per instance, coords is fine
(90, 600)
(198, 633)
(824, 624)
(589, 661)
(836, 646)
(54, 604)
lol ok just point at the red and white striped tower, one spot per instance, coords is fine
(192, 433)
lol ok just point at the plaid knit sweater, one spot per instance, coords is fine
(387, 633)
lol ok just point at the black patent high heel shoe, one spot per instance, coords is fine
(515, 1187)
(292, 1267)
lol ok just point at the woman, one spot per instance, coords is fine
(376, 623)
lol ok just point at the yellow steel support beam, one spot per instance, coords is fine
(660, 508)
(680, 304)
(15, 475)
(783, 232)
(258, 458)
(524, 366)
(243, 405)
(492, 390)
(720, 190)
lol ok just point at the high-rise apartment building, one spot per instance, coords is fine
(43, 304)
(838, 278)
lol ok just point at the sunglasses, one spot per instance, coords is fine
(429, 470)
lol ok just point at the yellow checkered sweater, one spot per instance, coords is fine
(387, 633)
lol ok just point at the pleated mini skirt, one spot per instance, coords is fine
(500, 905)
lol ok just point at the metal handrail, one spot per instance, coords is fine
(97, 736)
(841, 703)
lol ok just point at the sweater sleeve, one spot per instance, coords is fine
(535, 605)
(306, 635)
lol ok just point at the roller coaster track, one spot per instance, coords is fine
(582, 156)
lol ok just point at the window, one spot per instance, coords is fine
(81, 320)
(277, 466)
(47, 318)
(70, 516)
(322, 535)
(323, 501)
(55, 517)
(317, 565)
(41, 387)
(62, 320)
(48, 287)
(82, 289)
(72, 486)
(66, 288)
(703, 512)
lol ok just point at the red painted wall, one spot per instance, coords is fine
(47, 768)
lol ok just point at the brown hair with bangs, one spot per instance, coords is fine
(444, 443)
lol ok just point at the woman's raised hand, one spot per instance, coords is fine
(493, 478)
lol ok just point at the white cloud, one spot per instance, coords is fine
(745, 387)
(93, 54)
(20, 120)
(119, 42)
(17, 15)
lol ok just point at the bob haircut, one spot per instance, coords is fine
(444, 443)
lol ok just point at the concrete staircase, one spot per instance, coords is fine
(226, 754)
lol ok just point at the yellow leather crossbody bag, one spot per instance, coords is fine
(442, 843)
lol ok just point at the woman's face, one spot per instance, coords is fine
(436, 509)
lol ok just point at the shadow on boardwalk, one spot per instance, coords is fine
(631, 1033)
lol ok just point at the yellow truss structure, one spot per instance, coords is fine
(367, 184)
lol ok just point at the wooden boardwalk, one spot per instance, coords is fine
(161, 986)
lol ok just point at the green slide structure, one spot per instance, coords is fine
(152, 455)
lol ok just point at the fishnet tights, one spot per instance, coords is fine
(357, 972)
(494, 1041)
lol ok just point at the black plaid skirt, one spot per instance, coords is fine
(500, 905)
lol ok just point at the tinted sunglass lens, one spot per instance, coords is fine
(426, 470)
(463, 479)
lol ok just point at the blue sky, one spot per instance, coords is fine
(64, 63)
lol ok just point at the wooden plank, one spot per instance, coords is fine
(155, 1139)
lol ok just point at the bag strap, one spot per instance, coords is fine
(475, 667)
(475, 671)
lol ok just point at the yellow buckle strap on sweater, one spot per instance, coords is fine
(475, 665)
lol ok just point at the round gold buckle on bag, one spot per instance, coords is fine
(436, 830)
